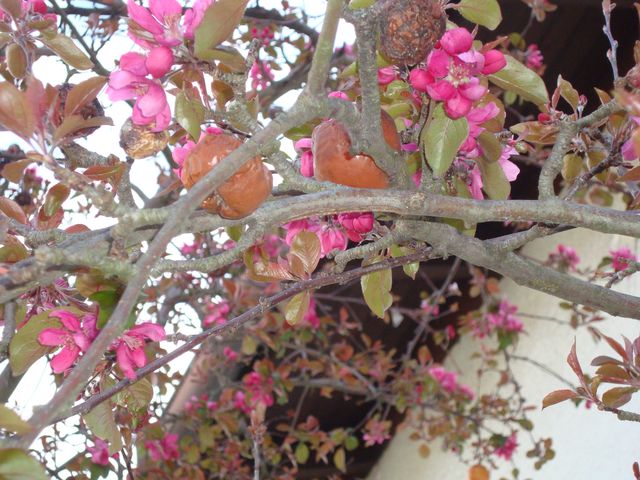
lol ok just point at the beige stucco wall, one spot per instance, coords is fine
(589, 444)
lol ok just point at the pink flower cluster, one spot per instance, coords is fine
(130, 346)
(156, 29)
(449, 382)
(78, 332)
(217, 313)
(622, 258)
(333, 235)
(507, 449)
(265, 35)
(565, 258)
(452, 71)
(260, 390)
(376, 432)
(261, 75)
(76, 335)
(504, 319)
(533, 57)
(100, 452)
(164, 449)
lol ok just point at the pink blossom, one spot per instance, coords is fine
(261, 75)
(494, 61)
(507, 449)
(311, 317)
(193, 17)
(505, 318)
(356, 225)
(240, 402)
(340, 96)
(130, 82)
(165, 449)
(310, 224)
(510, 169)
(99, 452)
(447, 380)
(533, 57)
(331, 239)
(565, 257)
(410, 147)
(475, 185)
(377, 432)
(622, 258)
(217, 314)
(230, 353)
(161, 21)
(387, 75)
(75, 337)
(451, 72)
(260, 389)
(130, 345)
(159, 61)
(180, 154)
(303, 146)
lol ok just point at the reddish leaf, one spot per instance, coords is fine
(66, 49)
(557, 397)
(632, 175)
(78, 228)
(12, 210)
(574, 363)
(14, 170)
(46, 222)
(83, 94)
(55, 198)
(16, 113)
(12, 7)
(76, 122)
(105, 173)
(306, 246)
(618, 396)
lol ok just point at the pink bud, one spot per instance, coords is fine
(457, 40)
(420, 79)
(494, 61)
(159, 61)
(386, 75)
(306, 164)
(339, 95)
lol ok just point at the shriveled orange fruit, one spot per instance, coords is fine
(333, 162)
(239, 196)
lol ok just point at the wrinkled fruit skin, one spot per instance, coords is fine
(239, 196)
(332, 161)
(138, 141)
(409, 29)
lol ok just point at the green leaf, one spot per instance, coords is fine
(297, 307)
(442, 139)
(483, 12)
(16, 113)
(306, 246)
(358, 4)
(189, 114)
(410, 269)
(517, 78)
(102, 423)
(107, 299)
(376, 290)
(15, 464)
(228, 56)
(11, 421)
(340, 460)
(490, 146)
(218, 23)
(495, 183)
(569, 93)
(66, 49)
(139, 395)
(302, 453)
(25, 349)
